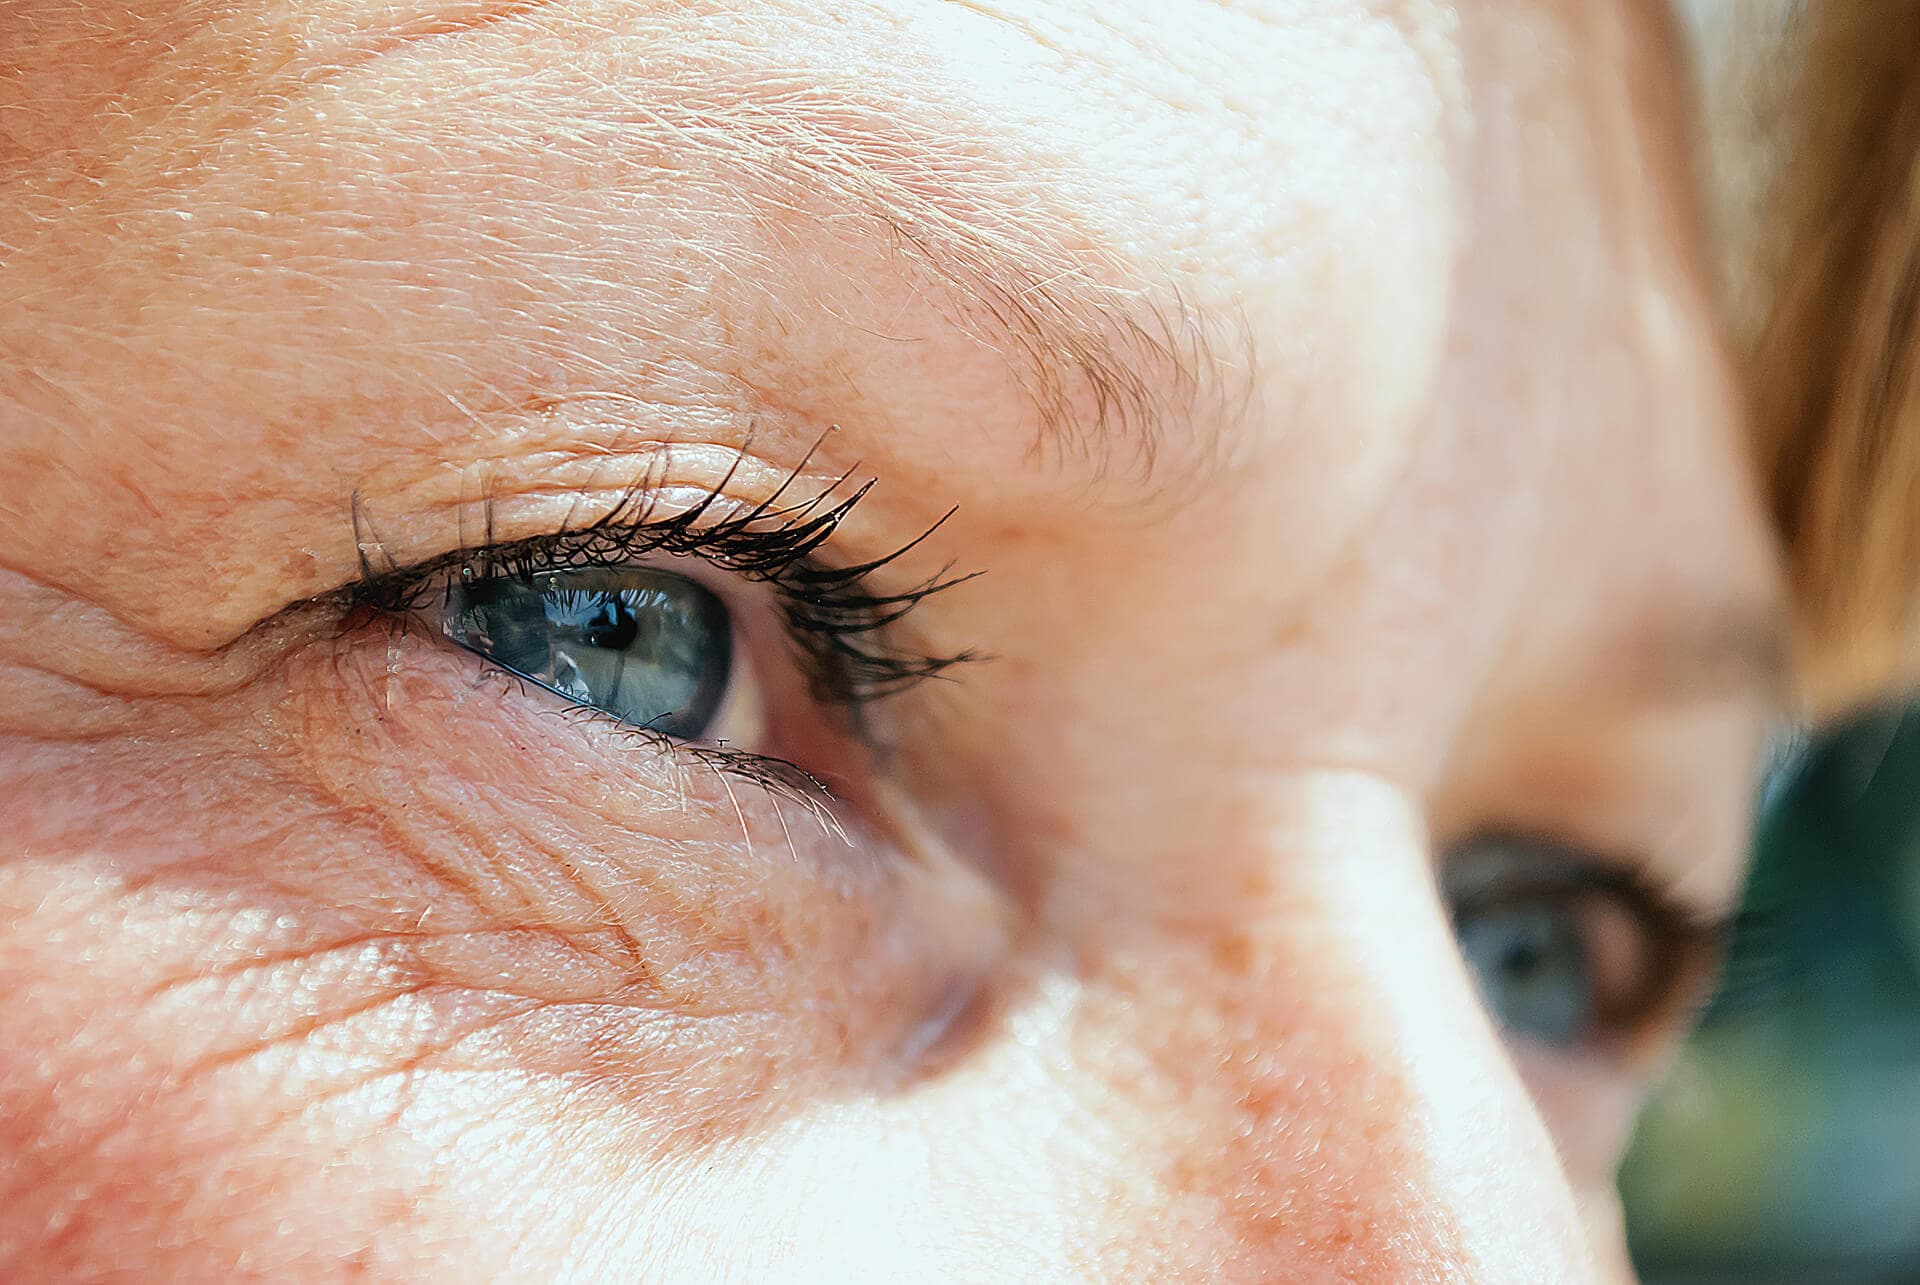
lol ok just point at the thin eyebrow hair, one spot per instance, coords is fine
(1114, 357)
(1109, 351)
(1731, 647)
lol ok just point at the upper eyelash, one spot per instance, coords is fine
(842, 627)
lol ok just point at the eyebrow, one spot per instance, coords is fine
(1729, 648)
(1108, 350)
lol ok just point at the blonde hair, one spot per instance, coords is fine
(1814, 129)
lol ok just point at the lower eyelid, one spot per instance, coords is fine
(724, 896)
(483, 723)
(771, 728)
(433, 700)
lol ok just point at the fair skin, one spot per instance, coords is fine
(1330, 401)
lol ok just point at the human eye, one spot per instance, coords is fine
(727, 628)
(619, 795)
(1572, 952)
(650, 648)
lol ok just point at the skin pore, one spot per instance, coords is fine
(1327, 394)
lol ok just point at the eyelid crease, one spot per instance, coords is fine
(653, 493)
(105, 653)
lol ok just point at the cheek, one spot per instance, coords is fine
(1591, 1108)
(379, 882)
(654, 888)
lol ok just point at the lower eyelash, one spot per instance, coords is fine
(782, 778)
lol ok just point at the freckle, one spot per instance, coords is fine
(1233, 954)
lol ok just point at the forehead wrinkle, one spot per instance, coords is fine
(112, 77)
(1108, 351)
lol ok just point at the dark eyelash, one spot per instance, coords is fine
(1688, 942)
(777, 776)
(841, 626)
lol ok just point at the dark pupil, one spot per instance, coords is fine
(1531, 963)
(1525, 960)
(611, 624)
(650, 648)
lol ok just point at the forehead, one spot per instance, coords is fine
(1060, 160)
(1296, 253)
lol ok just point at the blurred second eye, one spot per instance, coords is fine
(1532, 968)
(1570, 951)
(651, 648)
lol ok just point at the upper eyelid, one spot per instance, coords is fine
(845, 628)
(634, 508)
(1578, 865)
(1680, 830)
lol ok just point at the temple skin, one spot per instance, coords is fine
(1328, 393)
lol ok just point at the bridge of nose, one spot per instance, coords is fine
(1306, 1078)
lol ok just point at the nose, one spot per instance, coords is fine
(1302, 1067)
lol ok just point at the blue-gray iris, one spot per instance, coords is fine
(1531, 964)
(650, 648)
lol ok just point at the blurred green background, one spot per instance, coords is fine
(1786, 1146)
